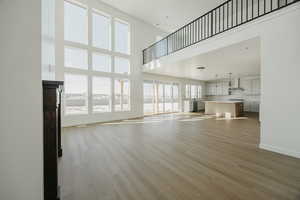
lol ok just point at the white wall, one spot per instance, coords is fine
(280, 99)
(280, 130)
(142, 36)
(21, 125)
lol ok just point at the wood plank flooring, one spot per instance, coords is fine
(174, 157)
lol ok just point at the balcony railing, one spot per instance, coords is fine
(226, 16)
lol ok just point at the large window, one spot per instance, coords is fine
(122, 37)
(76, 58)
(161, 97)
(176, 98)
(193, 91)
(168, 98)
(199, 91)
(76, 94)
(122, 95)
(149, 97)
(122, 65)
(101, 62)
(97, 74)
(187, 91)
(76, 29)
(101, 94)
(101, 31)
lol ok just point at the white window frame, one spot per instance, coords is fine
(98, 12)
(156, 101)
(76, 3)
(116, 19)
(87, 98)
(90, 73)
(111, 92)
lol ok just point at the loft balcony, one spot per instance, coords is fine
(227, 16)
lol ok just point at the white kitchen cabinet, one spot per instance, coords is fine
(246, 84)
(256, 86)
(251, 86)
(219, 88)
(211, 89)
(225, 88)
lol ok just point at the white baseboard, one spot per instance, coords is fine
(280, 150)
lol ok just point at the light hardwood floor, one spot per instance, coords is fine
(174, 157)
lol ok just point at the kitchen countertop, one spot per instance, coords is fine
(224, 101)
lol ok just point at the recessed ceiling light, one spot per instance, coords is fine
(201, 68)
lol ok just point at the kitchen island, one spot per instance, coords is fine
(226, 109)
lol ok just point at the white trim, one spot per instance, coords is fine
(77, 3)
(279, 150)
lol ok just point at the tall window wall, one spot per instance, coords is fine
(97, 63)
(161, 97)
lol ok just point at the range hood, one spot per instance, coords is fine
(236, 85)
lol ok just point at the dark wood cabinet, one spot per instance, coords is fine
(52, 91)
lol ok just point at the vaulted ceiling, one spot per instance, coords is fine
(167, 15)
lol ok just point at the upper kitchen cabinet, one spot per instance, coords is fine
(247, 86)
(217, 88)
(251, 86)
(256, 86)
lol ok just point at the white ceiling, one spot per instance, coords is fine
(242, 59)
(167, 15)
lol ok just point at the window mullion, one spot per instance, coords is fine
(113, 95)
(122, 94)
(90, 76)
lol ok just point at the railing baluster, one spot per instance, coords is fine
(178, 39)
(215, 21)
(223, 17)
(231, 13)
(198, 30)
(204, 27)
(227, 15)
(193, 32)
(211, 24)
(252, 9)
(219, 12)
(271, 5)
(190, 34)
(242, 9)
(258, 13)
(175, 41)
(185, 36)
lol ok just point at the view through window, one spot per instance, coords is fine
(161, 97)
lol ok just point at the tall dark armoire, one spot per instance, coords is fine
(52, 91)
